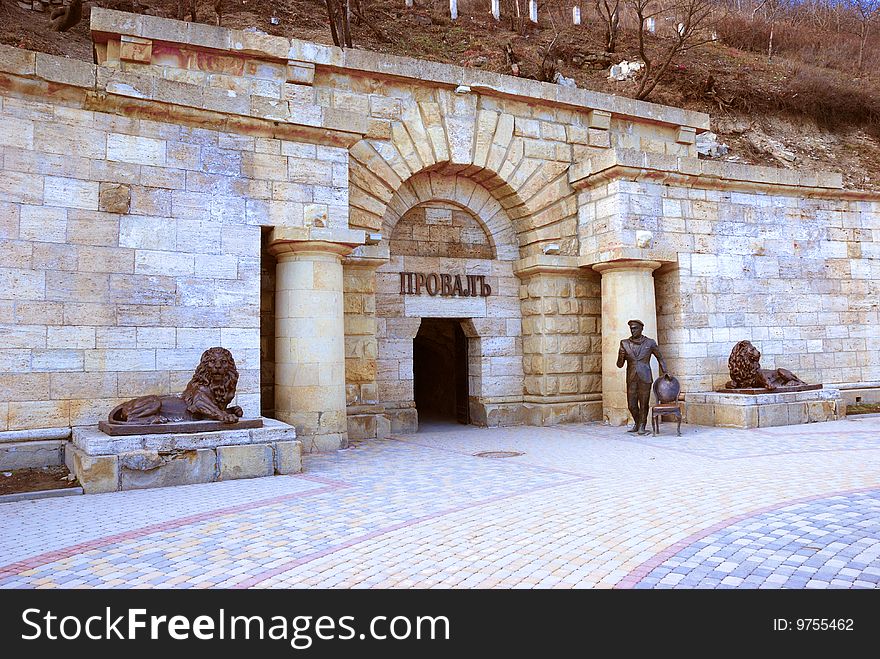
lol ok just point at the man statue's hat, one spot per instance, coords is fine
(638, 322)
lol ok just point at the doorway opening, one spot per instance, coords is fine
(268, 264)
(440, 371)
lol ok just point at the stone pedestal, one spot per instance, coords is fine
(310, 338)
(763, 410)
(104, 463)
(627, 293)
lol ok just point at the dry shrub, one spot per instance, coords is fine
(833, 102)
(805, 43)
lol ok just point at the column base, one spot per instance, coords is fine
(551, 414)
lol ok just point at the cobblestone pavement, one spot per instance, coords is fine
(584, 506)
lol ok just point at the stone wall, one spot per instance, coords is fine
(799, 278)
(440, 229)
(786, 263)
(130, 245)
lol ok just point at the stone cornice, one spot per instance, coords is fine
(106, 23)
(145, 95)
(632, 165)
(627, 264)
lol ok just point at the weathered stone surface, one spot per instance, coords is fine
(288, 457)
(251, 461)
(114, 198)
(96, 473)
(181, 468)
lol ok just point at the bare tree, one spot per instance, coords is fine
(516, 15)
(609, 13)
(186, 8)
(359, 9)
(867, 12)
(773, 11)
(692, 18)
(340, 22)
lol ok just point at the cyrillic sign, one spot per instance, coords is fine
(445, 285)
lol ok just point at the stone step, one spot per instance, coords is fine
(25, 454)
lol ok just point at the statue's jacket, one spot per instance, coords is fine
(638, 359)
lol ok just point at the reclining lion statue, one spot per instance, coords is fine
(207, 396)
(746, 372)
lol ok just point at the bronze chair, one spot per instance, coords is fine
(666, 389)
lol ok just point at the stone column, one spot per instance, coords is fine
(627, 293)
(310, 340)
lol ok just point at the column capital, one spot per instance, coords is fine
(293, 240)
(627, 264)
(551, 264)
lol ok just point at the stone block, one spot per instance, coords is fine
(317, 443)
(70, 193)
(772, 415)
(300, 73)
(383, 426)
(823, 410)
(253, 461)
(272, 431)
(499, 415)
(96, 473)
(288, 457)
(17, 133)
(599, 119)
(362, 426)
(180, 468)
(30, 454)
(114, 198)
(64, 70)
(135, 150)
(29, 414)
(699, 414)
(135, 49)
(686, 135)
(798, 413)
(17, 61)
(736, 416)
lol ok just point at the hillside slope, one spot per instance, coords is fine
(783, 113)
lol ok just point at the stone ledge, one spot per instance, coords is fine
(147, 84)
(692, 172)
(34, 435)
(31, 454)
(94, 442)
(107, 22)
(549, 264)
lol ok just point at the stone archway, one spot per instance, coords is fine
(463, 136)
(445, 224)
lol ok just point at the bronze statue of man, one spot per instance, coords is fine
(636, 352)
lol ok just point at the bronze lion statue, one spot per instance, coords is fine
(207, 396)
(746, 372)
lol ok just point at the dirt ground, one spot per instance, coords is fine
(35, 480)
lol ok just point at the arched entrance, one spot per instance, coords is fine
(448, 316)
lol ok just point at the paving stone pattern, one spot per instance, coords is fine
(585, 506)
